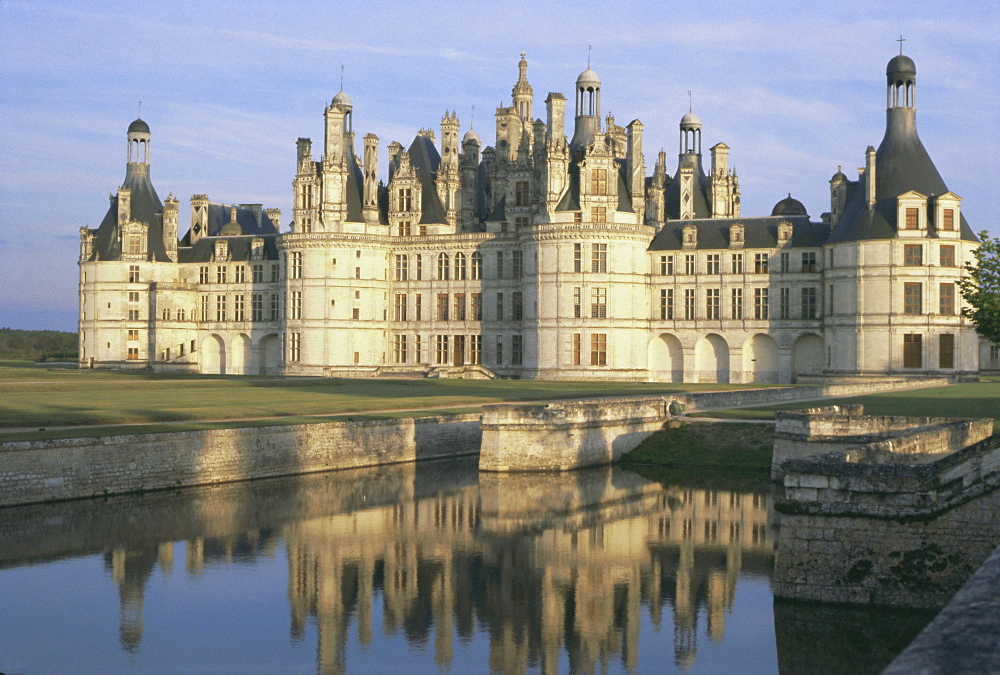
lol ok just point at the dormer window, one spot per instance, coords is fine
(257, 249)
(690, 236)
(912, 221)
(947, 216)
(911, 214)
(736, 236)
(222, 250)
(784, 232)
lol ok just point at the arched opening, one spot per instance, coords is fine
(760, 359)
(807, 355)
(666, 359)
(242, 355)
(711, 355)
(269, 349)
(213, 355)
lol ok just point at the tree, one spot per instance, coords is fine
(981, 288)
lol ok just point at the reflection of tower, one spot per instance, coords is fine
(130, 571)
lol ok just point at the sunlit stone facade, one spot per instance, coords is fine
(541, 256)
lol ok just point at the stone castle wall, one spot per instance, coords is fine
(35, 471)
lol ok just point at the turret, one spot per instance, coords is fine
(522, 93)
(636, 169)
(370, 202)
(588, 109)
(170, 217)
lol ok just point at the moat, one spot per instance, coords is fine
(426, 567)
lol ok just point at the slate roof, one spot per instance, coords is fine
(146, 208)
(761, 232)
(672, 197)
(424, 158)
(252, 221)
(239, 248)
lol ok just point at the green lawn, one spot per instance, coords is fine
(971, 399)
(45, 396)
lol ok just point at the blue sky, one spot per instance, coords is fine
(794, 88)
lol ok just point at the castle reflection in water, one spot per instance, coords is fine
(545, 565)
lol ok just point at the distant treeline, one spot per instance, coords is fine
(34, 345)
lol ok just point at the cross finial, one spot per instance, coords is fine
(341, 77)
(901, 40)
(522, 55)
(589, 47)
(140, 110)
(690, 102)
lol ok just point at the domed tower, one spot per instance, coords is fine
(588, 109)
(687, 196)
(138, 145)
(689, 142)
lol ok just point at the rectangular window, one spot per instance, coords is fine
(295, 306)
(404, 228)
(808, 303)
(599, 258)
(517, 306)
(577, 339)
(402, 268)
(443, 267)
(499, 306)
(442, 306)
(522, 194)
(760, 306)
(913, 355)
(913, 298)
(133, 296)
(475, 349)
(133, 354)
(712, 265)
(477, 306)
(947, 297)
(418, 348)
(598, 303)
(418, 309)
(239, 308)
(946, 351)
(134, 245)
(809, 262)
(577, 257)
(133, 335)
(689, 304)
(785, 262)
(240, 274)
(499, 352)
(947, 256)
(666, 303)
(220, 274)
(296, 271)
(460, 266)
(913, 255)
(577, 302)
(275, 272)
(599, 349)
(760, 263)
(133, 274)
(737, 303)
(357, 272)
(405, 199)
(517, 265)
(500, 265)
(460, 307)
(521, 222)
(420, 267)
(399, 307)
(257, 272)
(220, 308)
(356, 313)
(203, 274)
(784, 303)
(911, 220)
(689, 264)
(948, 223)
(516, 349)
(399, 349)
(666, 264)
(737, 263)
(257, 307)
(204, 308)
(599, 214)
(598, 181)
(477, 265)
(712, 303)
(133, 315)
(294, 346)
(275, 307)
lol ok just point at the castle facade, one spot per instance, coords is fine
(540, 256)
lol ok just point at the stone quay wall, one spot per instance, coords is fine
(817, 431)
(578, 433)
(37, 471)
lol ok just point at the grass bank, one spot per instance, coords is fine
(970, 399)
(710, 455)
(37, 396)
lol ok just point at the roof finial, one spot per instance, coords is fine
(589, 47)
(342, 77)
(690, 102)
(472, 118)
(901, 40)
(139, 116)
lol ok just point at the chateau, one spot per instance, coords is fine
(538, 257)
